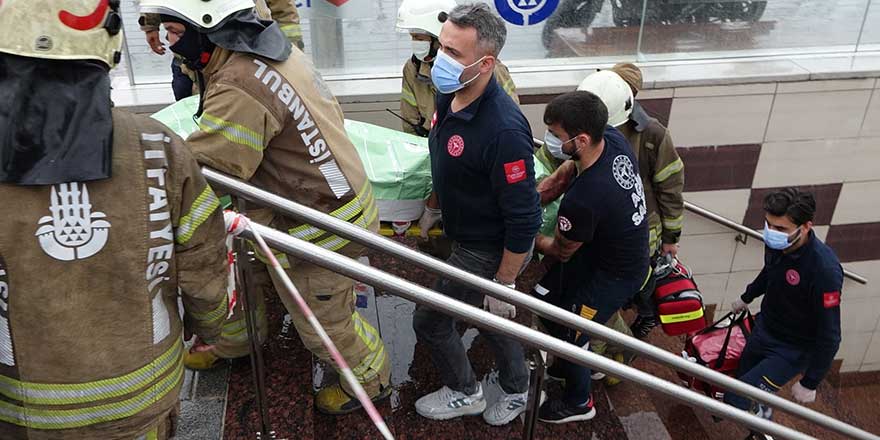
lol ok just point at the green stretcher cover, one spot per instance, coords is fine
(396, 163)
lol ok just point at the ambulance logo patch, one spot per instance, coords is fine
(793, 277)
(831, 299)
(564, 224)
(624, 172)
(73, 231)
(455, 146)
(515, 171)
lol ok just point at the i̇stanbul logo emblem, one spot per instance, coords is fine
(73, 231)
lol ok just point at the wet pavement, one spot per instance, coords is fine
(625, 411)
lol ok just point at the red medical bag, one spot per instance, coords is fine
(718, 347)
(678, 300)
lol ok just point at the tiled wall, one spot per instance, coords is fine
(739, 142)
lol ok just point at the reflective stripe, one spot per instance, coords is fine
(291, 30)
(588, 312)
(155, 137)
(210, 316)
(681, 317)
(335, 179)
(201, 209)
(334, 243)
(69, 394)
(408, 97)
(161, 319)
(346, 212)
(673, 224)
(653, 239)
(767, 379)
(509, 87)
(669, 170)
(75, 418)
(233, 132)
(371, 365)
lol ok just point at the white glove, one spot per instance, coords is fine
(803, 394)
(430, 217)
(499, 308)
(739, 305)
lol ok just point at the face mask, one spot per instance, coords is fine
(779, 240)
(446, 74)
(421, 49)
(554, 146)
(193, 47)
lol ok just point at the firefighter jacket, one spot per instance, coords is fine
(662, 174)
(284, 12)
(90, 334)
(418, 92)
(276, 125)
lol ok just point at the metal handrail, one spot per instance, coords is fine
(423, 296)
(541, 308)
(742, 229)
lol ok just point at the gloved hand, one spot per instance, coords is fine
(430, 217)
(499, 308)
(803, 394)
(739, 305)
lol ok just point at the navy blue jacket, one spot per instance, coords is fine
(483, 172)
(802, 302)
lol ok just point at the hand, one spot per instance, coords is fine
(553, 186)
(498, 308)
(739, 306)
(430, 217)
(669, 248)
(803, 394)
(155, 43)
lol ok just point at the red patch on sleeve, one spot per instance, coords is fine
(831, 299)
(515, 171)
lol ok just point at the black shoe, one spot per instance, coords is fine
(557, 411)
(758, 436)
(642, 326)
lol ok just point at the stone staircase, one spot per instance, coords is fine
(624, 411)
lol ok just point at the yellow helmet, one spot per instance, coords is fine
(62, 29)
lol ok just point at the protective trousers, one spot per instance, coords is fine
(332, 299)
(766, 363)
(233, 342)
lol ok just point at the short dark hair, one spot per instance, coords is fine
(578, 112)
(799, 206)
(491, 31)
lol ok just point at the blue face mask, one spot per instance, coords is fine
(779, 240)
(446, 73)
(554, 146)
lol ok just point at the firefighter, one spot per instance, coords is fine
(115, 208)
(183, 81)
(661, 168)
(798, 329)
(267, 117)
(422, 19)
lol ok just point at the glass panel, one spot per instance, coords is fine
(685, 29)
(870, 39)
(146, 67)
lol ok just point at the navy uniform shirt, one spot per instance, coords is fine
(604, 208)
(483, 172)
(801, 304)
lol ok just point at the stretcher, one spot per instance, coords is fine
(396, 163)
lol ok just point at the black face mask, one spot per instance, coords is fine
(193, 46)
(55, 121)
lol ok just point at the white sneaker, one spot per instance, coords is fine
(597, 375)
(507, 406)
(446, 403)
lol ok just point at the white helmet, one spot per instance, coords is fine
(62, 29)
(205, 15)
(614, 92)
(423, 15)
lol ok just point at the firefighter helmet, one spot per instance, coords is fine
(426, 16)
(62, 29)
(614, 92)
(204, 15)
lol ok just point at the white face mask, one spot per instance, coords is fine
(421, 49)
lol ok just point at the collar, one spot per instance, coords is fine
(640, 117)
(468, 113)
(218, 59)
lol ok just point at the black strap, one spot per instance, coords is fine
(738, 321)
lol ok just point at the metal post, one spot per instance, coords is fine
(481, 318)
(243, 261)
(536, 384)
(541, 308)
